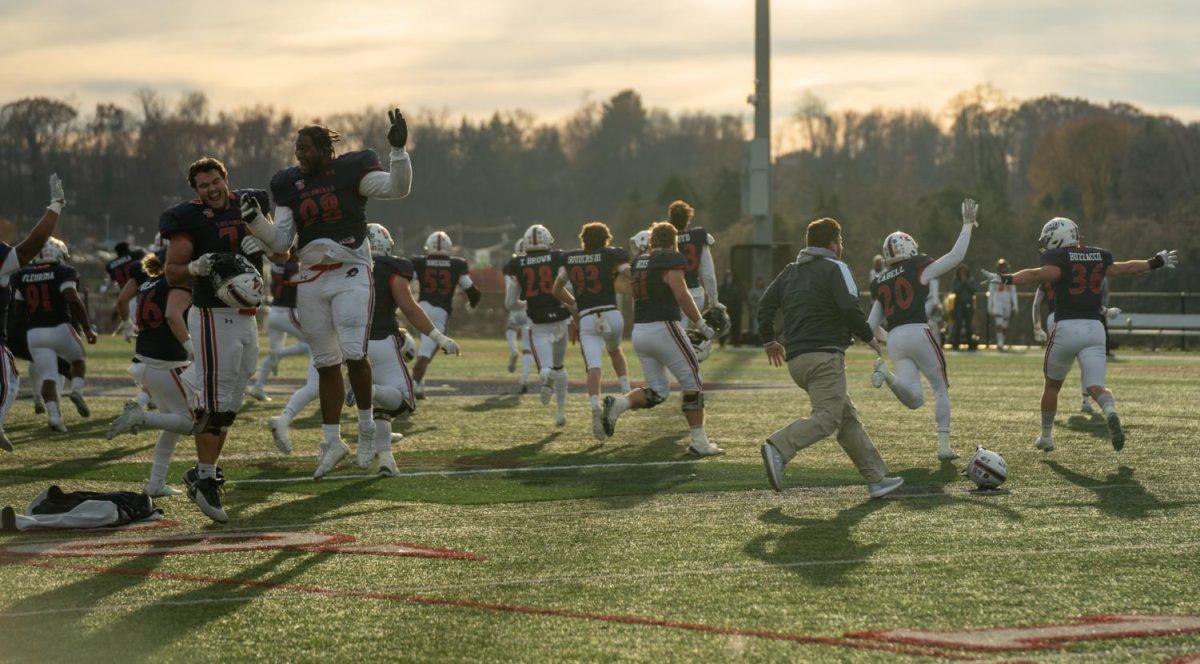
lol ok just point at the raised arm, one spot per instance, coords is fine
(397, 182)
(1165, 258)
(29, 247)
(959, 251)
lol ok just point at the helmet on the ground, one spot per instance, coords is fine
(718, 320)
(438, 242)
(236, 282)
(986, 469)
(1058, 232)
(898, 246)
(701, 346)
(54, 251)
(641, 242)
(538, 237)
(380, 239)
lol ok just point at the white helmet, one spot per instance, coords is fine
(701, 345)
(236, 282)
(641, 242)
(898, 246)
(54, 251)
(438, 242)
(1058, 232)
(537, 237)
(986, 469)
(380, 239)
(519, 247)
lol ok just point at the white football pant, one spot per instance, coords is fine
(47, 344)
(662, 347)
(915, 352)
(335, 306)
(593, 344)
(1077, 339)
(226, 353)
(173, 397)
(10, 383)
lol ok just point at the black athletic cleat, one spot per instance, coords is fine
(609, 425)
(8, 519)
(206, 493)
(1115, 432)
(5, 443)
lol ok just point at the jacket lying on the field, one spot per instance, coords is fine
(819, 302)
(54, 508)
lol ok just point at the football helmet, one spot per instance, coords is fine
(519, 247)
(538, 237)
(54, 251)
(1058, 232)
(701, 345)
(236, 282)
(718, 320)
(380, 239)
(641, 242)
(986, 469)
(438, 242)
(898, 246)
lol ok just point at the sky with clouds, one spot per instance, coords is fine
(316, 57)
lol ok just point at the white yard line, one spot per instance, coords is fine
(474, 471)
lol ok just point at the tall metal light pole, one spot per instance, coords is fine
(759, 161)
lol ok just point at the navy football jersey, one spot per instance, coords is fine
(328, 205)
(155, 339)
(212, 231)
(40, 288)
(383, 319)
(437, 277)
(535, 272)
(691, 244)
(593, 276)
(122, 268)
(900, 293)
(1078, 292)
(283, 291)
(653, 299)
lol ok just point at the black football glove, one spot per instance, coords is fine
(398, 134)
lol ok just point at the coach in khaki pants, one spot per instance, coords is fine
(819, 303)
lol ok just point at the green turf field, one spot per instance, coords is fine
(527, 542)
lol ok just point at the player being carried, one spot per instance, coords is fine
(1076, 272)
(900, 292)
(592, 272)
(438, 275)
(320, 205)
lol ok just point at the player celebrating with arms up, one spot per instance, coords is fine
(1076, 273)
(899, 293)
(321, 206)
(438, 275)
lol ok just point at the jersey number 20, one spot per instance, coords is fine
(902, 289)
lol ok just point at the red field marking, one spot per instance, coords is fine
(1043, 637)
(1182, 659)
(508, 608)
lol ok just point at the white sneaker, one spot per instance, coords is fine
(387, 464)
(773, 462)
(1044, 443)
(366, 445)
(547, 389)
(598, 423)
(884, 486)
(131, 417)
(330, 458)
(560, 419)
(707, 449)
(160, 490)
(512, 362)
(946, 454)
(879, 374)
(80, 405)
(56, 424)
(257, 393)
(279, 431)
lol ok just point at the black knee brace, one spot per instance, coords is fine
(693, 401)
(652, 398)
(213, 423)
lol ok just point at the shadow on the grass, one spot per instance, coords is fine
(942, 487)
(310, 509)
(71, 468)
(498, 402)
(1094, 425)
(1117, 494)
(816, 540)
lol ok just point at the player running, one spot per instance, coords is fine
(393, 389)
(55, 317)
(592, 272)
(900, 292)
(531, 278)
(211, 251)
(282, 322)
(120, 270)
(438, 275)
(1076, 272)
(694, 243)
(660, 298)
(164, 349)
(516, 332)
(1002, 304)
(321, 206)
(12, 259)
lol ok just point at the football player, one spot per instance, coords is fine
(660, 297)
(204, 236)
(531, 278)
(1045, 293)
(438, 275)
(516, 332)
(900, 292)
(119, 271)
(282, 322)
(164, 349)
(393, 391)
(127, 304)
(55, 316)
(1076, 272)
(1002, 304)
(592, 272)
(694, 243)
(321, 206)
(12, 259)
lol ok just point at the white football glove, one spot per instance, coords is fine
(990, 277)
(260, 226)
(969, 208)
(1170, 258)
(58, 199)
(448, 345)
(705, 329)
(126, 330)
(201, 267)
(1112, 312)
(252, 245)
(1039, 335)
